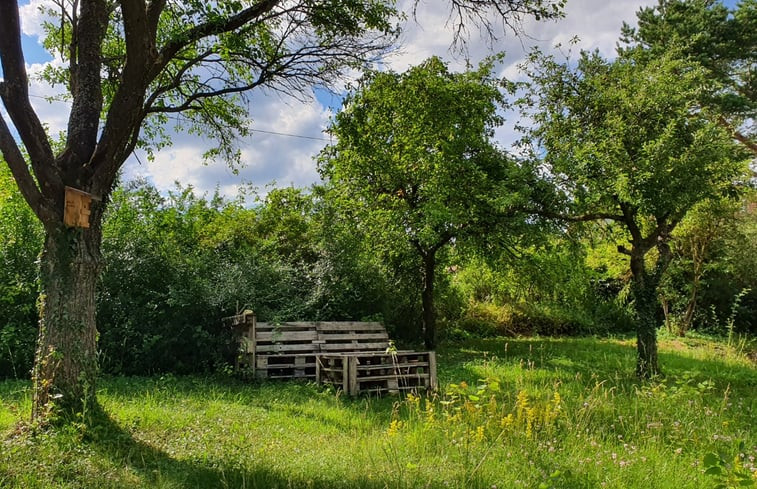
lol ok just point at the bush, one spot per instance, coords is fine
(20, 245)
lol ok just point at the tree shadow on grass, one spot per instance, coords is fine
(296, 399)
(154, 467)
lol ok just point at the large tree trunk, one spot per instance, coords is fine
(644, 290)
(66, 365)
(427, 298)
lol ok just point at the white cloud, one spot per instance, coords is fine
(34, 14)
(271, 153)
(53, 114)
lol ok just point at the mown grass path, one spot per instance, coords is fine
(541, 413)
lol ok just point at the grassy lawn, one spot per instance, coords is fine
(532, 413)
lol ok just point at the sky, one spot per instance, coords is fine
(288, 134)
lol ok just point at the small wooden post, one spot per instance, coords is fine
(318, 370)
(77, 208)
(254, 341)
(432, 370)
(350, 369)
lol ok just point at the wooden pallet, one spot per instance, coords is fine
(380, 372)
(351, 336)
(350, 355)
(275, 350)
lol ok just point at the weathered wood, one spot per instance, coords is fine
(433, 383)
(351, 372)
(351, 356)
(352, 346)
(261, 336)
(357, 336)
(293, 347)
(378, 372)
(323, 326)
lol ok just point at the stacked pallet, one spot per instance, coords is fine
(353, 356)
(343, 337)
(366, 372)
(275, 350)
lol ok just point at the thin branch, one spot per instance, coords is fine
(211, 28)
(749, 143)
(592, 216)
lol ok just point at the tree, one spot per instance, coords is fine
(721, 40)
(128, 66)
(415, 163)
(694, 245)
(627, 141)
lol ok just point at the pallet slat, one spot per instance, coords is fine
(326, 326)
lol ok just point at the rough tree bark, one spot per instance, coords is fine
(427, 299)
(65, 369)
(644, 292)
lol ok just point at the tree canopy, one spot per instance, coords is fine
(720, 40)
(414, 158)
(628, 141)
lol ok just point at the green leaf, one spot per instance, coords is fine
(711, 459)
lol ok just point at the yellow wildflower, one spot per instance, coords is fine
(394, 427)
(480, 434)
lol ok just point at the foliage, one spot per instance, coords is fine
(163, 291)
(714, 262)
(716, 38)
(128, 68)
(627, 141)
(414, 162)
(20, 240)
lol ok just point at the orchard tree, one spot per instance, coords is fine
(127, 67)
(414, 159)
(627, 141)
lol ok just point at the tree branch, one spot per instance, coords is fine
(210, 28)
(86, 89)
(592, 216)
(750, 144)
(14, 91)
(19, 169)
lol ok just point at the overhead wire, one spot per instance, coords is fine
(275, 133)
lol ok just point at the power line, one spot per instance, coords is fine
(275, 133)
(289, 135)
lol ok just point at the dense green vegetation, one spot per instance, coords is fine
(178, 263)
(562, 413)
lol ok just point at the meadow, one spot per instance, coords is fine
(532, 413)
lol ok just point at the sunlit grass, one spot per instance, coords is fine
(536, 412)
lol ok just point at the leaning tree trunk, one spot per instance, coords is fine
(427, 299)
(644, 291)
(65, 369)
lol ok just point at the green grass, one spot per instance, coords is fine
(609, 430)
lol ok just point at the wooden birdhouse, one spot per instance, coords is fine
(77, 208)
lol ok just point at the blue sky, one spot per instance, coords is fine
(274, 153)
